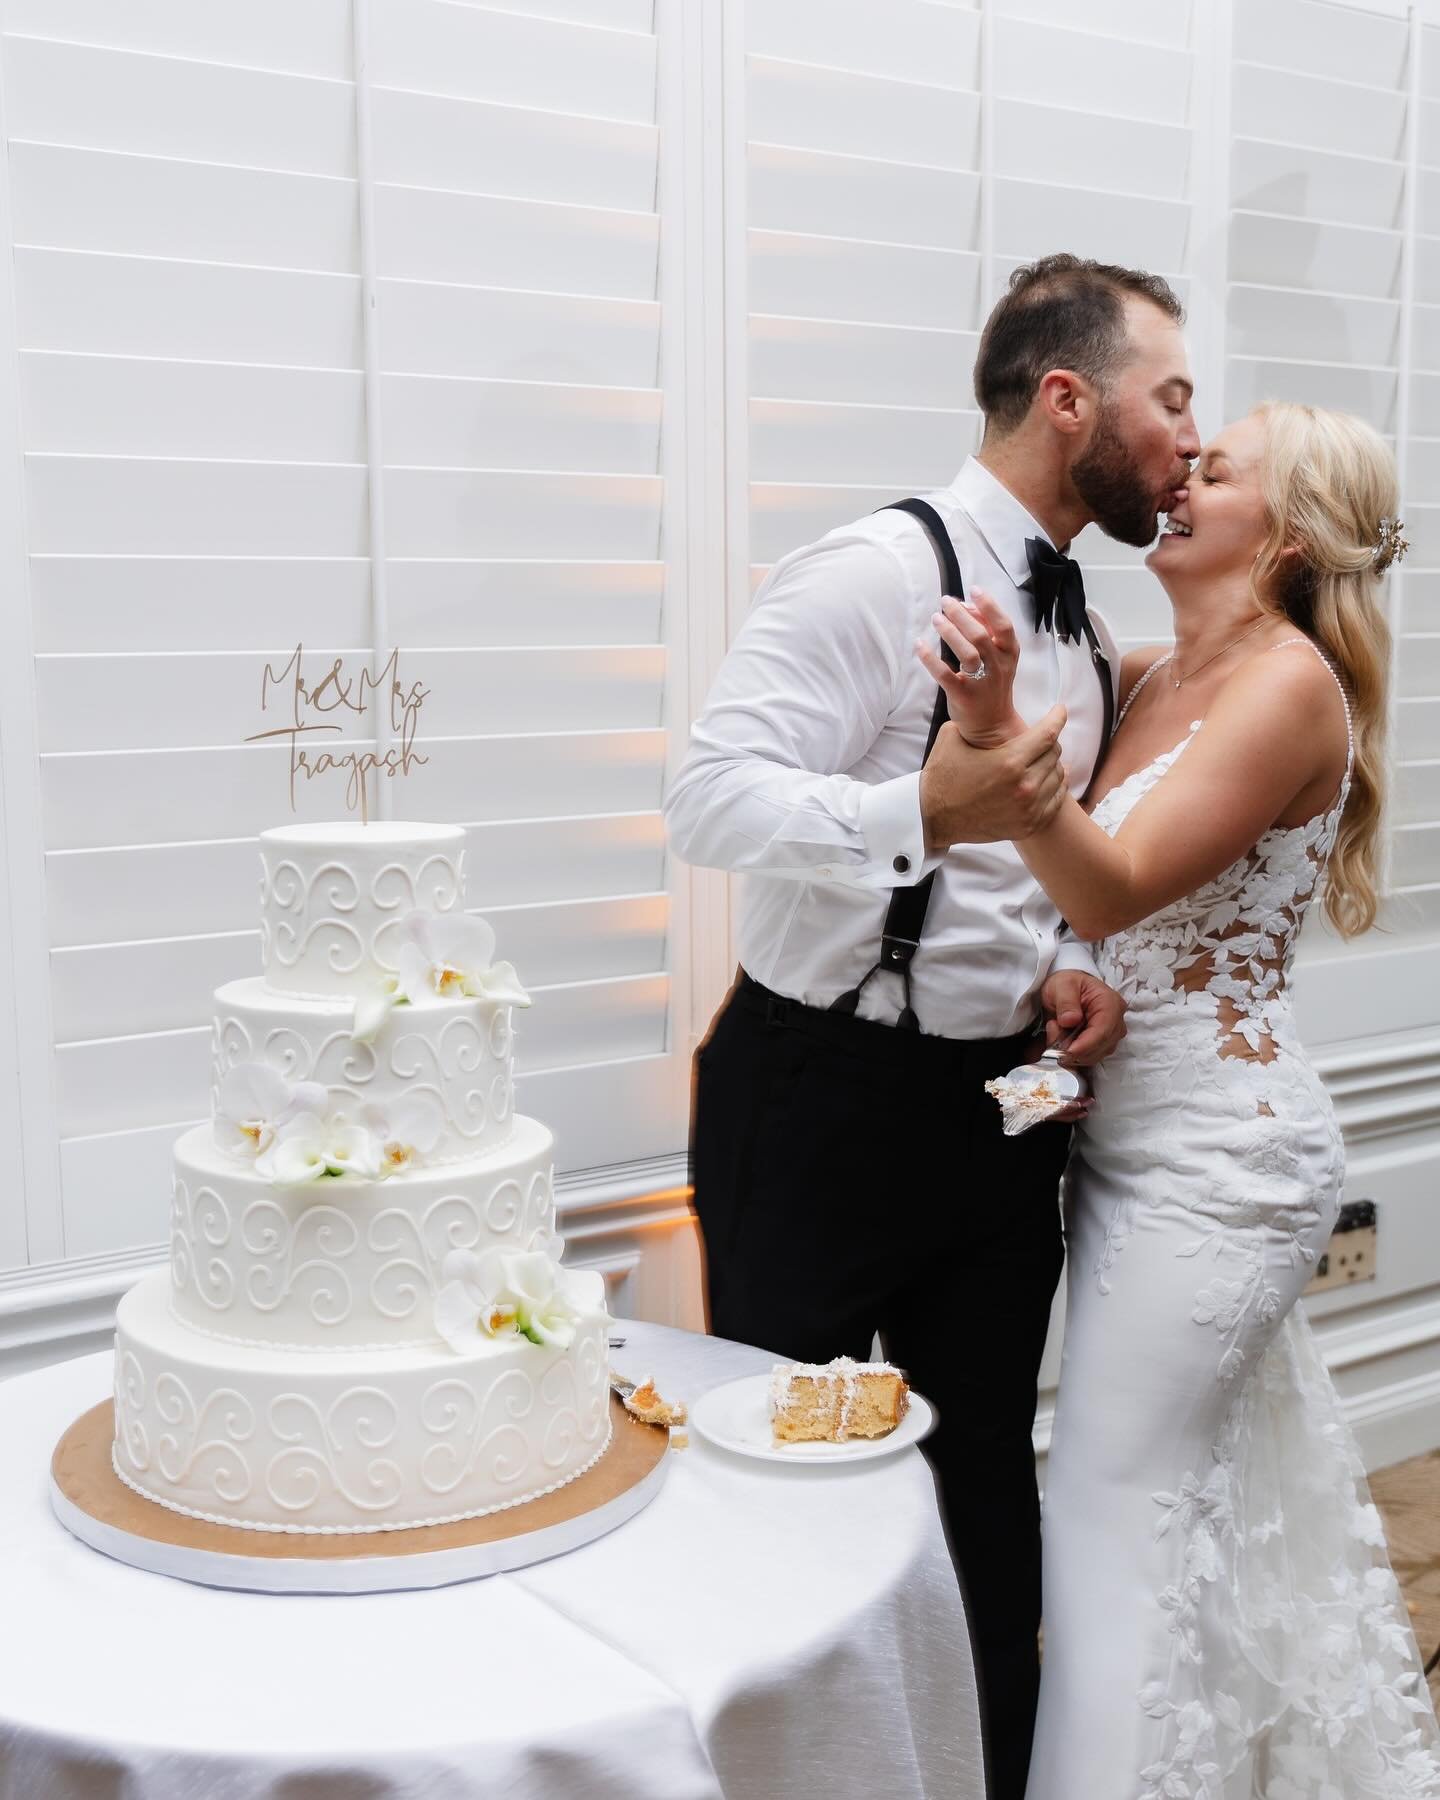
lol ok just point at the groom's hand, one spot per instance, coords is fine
(970, 796)
(1080, 1007)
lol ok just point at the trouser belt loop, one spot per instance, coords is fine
(778, 1010)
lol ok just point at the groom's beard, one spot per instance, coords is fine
(1108, 481)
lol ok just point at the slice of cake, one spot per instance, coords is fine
(829, 1403)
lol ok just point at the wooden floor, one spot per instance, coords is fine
(1408, 1495)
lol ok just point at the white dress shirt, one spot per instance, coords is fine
(803, 771)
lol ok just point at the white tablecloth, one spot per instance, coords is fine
(757, 1633)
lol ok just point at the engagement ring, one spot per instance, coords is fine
(974, 674)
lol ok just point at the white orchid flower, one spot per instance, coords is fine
(442, 956)
(464, 1310)
(308, 1148)
(522, 1291)
(255, 1101)
(500, 985)
(372, 1009)
(406, 1130)
(446, 955)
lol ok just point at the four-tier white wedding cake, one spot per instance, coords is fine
(364, 1324)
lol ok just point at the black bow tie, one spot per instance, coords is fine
(1058, 589)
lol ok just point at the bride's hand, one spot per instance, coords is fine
(980, 633)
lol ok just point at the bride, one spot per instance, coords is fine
(1221, 1620)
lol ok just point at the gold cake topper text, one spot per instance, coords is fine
(309, 707)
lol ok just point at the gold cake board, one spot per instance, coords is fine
(91, 1501)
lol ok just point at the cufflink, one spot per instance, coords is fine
(901, 865)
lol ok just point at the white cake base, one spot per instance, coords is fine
(357, 1441)
(90, 1501)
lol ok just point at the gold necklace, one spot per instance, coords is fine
(1264, 619)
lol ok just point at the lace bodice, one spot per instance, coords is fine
(1229, 944)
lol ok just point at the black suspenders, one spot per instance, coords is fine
(905, 916)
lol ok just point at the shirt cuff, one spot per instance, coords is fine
(1070, 953)
(894, 832)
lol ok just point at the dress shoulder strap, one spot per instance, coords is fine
(1334, 674)
(1132, 696)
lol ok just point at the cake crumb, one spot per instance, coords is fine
(646, 1404)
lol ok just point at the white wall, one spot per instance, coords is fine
(662, 290)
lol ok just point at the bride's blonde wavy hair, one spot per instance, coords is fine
(1328, 480)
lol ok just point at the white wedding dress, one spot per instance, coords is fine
(1221, 1619)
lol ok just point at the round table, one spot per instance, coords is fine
(757, 1633)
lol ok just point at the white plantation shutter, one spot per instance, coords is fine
(887, 206)
(1415, 858)
(198, 424)
(1318, 185)
(517, 246)
(1325, 302)
(863, 222)
(1092, 151)
(182, 204)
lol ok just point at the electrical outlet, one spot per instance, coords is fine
(1350, 1254)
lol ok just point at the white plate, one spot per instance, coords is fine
(736, 1416)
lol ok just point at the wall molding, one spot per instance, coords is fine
(1383, 1086)
(1380, 1330)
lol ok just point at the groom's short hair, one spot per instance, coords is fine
(1062, 312)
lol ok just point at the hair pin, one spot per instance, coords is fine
(1389, 546)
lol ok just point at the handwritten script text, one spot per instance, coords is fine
(308, 705)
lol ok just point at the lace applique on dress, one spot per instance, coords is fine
(1294, 1672)
(1233, 939)
(1218, 962)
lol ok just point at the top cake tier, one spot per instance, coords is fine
(333, 899)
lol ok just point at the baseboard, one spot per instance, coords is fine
(1397, 1421)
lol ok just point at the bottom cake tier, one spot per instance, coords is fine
(348, 1441)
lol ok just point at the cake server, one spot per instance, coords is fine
(1036, 1091)
(1072, 1083)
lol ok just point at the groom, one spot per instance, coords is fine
(850, 1172)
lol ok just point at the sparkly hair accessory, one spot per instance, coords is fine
(1389, 546)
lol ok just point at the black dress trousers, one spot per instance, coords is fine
(853, 1178)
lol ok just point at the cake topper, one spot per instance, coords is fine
(308, 704)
